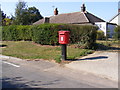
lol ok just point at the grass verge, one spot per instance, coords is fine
(30, 50)
(109, 45)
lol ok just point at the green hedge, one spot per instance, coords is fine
(83, 35)
(16, 33)
(24, 32)
(47, 34)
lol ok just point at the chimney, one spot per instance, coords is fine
(119, 10)
(55, 11)
(47, 20)
(83, 8)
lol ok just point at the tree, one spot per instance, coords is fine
(21, 14)
(34, 14)
(4, 19)
(26, 16)
(2, 14)
(0, 17)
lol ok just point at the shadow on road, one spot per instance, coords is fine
(11, 83)
(19, 82)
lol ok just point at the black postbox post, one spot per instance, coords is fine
(64, 40)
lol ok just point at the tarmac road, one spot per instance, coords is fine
(17, 73)
(101, 63)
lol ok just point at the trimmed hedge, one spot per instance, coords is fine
(47, 34)
(83, 35)
(9, 33)
(16, 33)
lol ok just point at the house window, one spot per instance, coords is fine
(100, 26)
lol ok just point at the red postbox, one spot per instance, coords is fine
(64, 37)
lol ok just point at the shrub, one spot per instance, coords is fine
(116, 35)
(58, 59)
(100, 35)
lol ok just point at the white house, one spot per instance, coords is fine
(106, 27)
(116, 18)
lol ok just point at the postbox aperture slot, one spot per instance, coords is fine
(62, 38)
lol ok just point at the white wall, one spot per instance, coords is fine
(106, 28)
(102, 26)
(116, 20)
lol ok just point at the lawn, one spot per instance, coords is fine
(30, 50)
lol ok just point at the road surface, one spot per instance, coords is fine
(17, 73)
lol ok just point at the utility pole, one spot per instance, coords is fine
(0, 25)
(0, 16)
(19, 0)
(53, 9)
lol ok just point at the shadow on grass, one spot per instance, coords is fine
(3, 45)
(91, 58)
(103, 47)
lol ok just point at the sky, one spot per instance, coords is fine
(104, 10)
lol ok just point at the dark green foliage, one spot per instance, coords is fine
(21, 15)
(34, 15)
(24, 15)
(47, 34)
(117, 33)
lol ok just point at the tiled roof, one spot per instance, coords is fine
(72, 18)
(41, 21)
(92, 18)
(75, 17)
